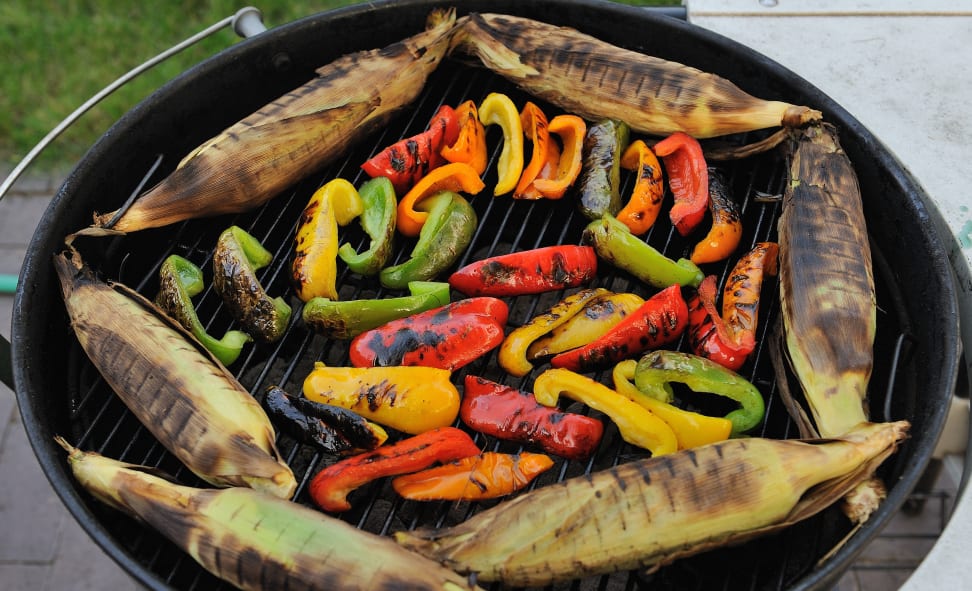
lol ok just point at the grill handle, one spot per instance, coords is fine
(246, 23)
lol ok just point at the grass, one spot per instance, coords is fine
(62, 52)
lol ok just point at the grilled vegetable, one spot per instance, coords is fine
(489, 475)
(597, 317)
(377, 219)
(255, 541)
(236, 259)
(172, 384)
(179, 281)
(332, 485)
(255, 159)
(539, 270)
(409, 399)
(642, 208)
(330, 428)
(599, 185)
(457, 176)
(498, 109)
(314, 268)
(688, 178)
(470, 147)
(572, 131)
(637, 515)
(514, 415)
(347, 319)
(596, 80)
(726, 230)
(535, 128)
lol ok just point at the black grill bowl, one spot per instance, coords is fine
(60, 393)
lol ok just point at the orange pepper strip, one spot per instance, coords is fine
(571, 130)
(726, 230)
(457, 176)
(485, 476)
(534, 124)
(641, 211)
(470, 146)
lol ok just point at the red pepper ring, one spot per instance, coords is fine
(688, 177)
(527, 272)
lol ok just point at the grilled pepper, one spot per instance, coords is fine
(534, 124)
(409, 399)
(408, 160)
(641, 210)
(180, 280)
(513, 352)
(600, 178)
(691, 428)
(347, 319)
(489, 475)
(656, 369)
(549, 268)
(571, 130)
(470, 146)
(514, 415)
(636, 425)
(237, 257)
(314, 268)
(498, 109)
(659, 321)
(330, 428)
(444, 236)
(447, 337)
(596, 318)
(331, 486)
(451, 177)
(726, 230)
(378, 221)
(688, 179)
(615, 243)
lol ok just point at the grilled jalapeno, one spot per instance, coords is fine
(347, 319)
(332, 429)
(600, 180)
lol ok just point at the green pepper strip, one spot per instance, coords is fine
(615, 243)
(444, 236)
(179, 281)
(347, 319)
(378, 221)
(656, 369)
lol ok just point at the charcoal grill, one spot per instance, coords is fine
(916, 347)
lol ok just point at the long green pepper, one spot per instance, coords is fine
(349, 318)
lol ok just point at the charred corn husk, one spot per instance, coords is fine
(298, 133)
(596, 80)
(175, 387)
(255, 541)
(651, 512)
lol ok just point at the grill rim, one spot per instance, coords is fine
(262, 54)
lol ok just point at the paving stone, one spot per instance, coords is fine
(25, 577)
(18, 218)
(82, 564)
(11, 259)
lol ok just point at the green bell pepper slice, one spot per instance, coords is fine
(378, 220)
(347, 319)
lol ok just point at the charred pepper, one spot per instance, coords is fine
(599, 185)
(498, 109)
(489, 475)
(726, 231)
(596, 318)
(470, 146)
(688, 178)
(457, 176)
(378, 221)
(539, 270)
(641, 210)
(534, 124)
(349, 318)
(571, 129)
(329, 428)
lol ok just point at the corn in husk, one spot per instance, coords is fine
(651, 512)
(256, 541)
(177, 389)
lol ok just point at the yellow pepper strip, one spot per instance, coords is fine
(512, 354)
(412, 399)
(598, 316)
(456, 177)
(641, 211)
(636, 424)
(470, 146)
(534, 124)
(498, 109)
(314, 268)
(571, 130)
(691, 428)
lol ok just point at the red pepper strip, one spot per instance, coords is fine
(526, 272)
(708, 335)
(470, 147)
(726, 230)
(447, 337)
(487, 476)
(641, 211)
(514, 415)
(534, 124)
(571, 130)
(659, 321)
(331, 486)
(688, 179)
(408, 160)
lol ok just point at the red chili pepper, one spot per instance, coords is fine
(688, 178)
(408, 160)
(331, 486)
(527, 272)
(659, 321)
(487, 476)
(514, 415)
(447, 337)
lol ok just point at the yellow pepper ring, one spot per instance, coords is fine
(498, 109)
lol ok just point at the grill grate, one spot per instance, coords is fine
(101, 422)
